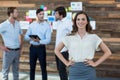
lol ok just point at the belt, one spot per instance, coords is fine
(37, 45)
(15, 49)
(64, 51)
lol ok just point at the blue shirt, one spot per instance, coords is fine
(10, 34)
(42, 29)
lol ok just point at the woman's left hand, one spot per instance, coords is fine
(90, 62)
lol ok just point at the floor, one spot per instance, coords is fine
(25, 76)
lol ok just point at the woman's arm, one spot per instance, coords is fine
(106, 54)
(60, 56)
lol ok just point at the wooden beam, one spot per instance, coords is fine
(14, 4)
(114, 15)
(117, 40)
(8, 2)
(118, 5)
(102, 2)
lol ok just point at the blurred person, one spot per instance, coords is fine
(12, 37)
(82, 44)
(42, 30)
(63, 27)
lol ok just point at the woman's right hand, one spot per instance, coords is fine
(69, 63)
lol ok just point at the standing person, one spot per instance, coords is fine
(12, 37)
(63, 27)
(82, 44)
(37, 49)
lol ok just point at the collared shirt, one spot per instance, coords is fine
(81, 49)
(42, 29)
(10, 34)
(63, 27)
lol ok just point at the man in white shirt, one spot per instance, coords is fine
(63, 27)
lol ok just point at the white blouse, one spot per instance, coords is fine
(81, 49)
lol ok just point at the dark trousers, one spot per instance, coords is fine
(38, 52)
(62, 67)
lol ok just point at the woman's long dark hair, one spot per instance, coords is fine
(75, 28)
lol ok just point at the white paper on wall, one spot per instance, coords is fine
(93, 24)
(24, 24)
(76, 6)
(32, 13)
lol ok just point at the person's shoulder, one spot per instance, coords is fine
(33, 23)
(46, 23)
(67, 21)
(17, 21)
(4, 23)
(70, 36)
(95, 36)
(92, 34)
(66, 37)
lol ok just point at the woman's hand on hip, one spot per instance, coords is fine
(90, 62)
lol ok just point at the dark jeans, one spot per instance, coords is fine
(62, 67)
(38, 52)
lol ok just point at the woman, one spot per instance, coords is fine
(82, 44)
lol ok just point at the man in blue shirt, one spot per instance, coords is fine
(12, 37)
(38, 34)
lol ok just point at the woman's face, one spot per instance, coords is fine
(81, 21)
